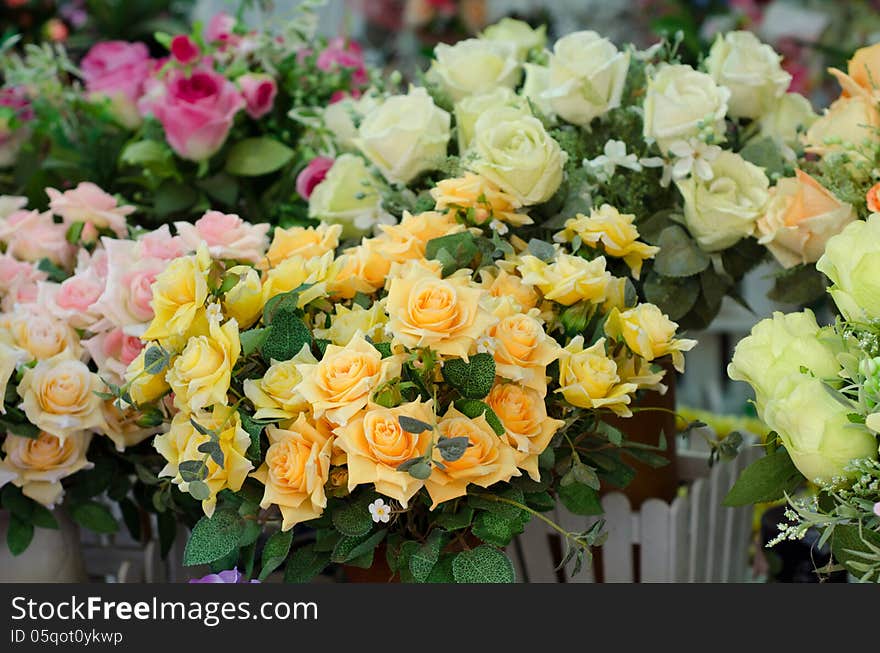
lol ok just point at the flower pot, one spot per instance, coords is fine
(54, 555)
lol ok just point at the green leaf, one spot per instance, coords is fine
(74, 232)
(451, 449)
(13, 500)
(287, 336)
(481, 501)
(767, 479)
(132, 518)
(542, 249)
(580, 499)
(94, 516)
(764, 152)
(212, 538)
(19, 534)
(423, 559)
(484, 564)
(192, 470)
(413, 425)
(442, 571)
(155, 360)
(253, 157)
(454, 251)
(675, 297)
(851, 545)
(492, 528)
(252, 340)
(221, 187)
(540, 501)
(304, 564)
(455, 520)
(353, 518)
(254, 429)
(679, 255)
(474, 408)
(167, 531)
(349, 548)
(474, 378)
(43, 517)
(174, 197)
(213, 449)
(802, 284)
(274, 553)
(199, 490)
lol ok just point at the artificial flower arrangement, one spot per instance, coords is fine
(411, 399)
(686, 158)
(75, 296)
(214, 123)
(817, 389)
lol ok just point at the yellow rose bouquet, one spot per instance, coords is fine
(818, 389)
(406, 402)
(664, 169)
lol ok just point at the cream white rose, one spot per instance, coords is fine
(788, 116)
(517, 154)
(682, 103)
(750, 69)
(405, 135)
(474, 66)
(721, 211)
(348, 196)
(587, 74)
(523, 36)
(340, 118)
(535, 86)
(469, 110)
(37, 465)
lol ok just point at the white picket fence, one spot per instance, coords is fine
(694, 539)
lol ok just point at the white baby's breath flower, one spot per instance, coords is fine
(614, 155)
(659, 162)
(379, 511)
(693, 156)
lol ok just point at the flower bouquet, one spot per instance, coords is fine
(664, 169)
(217, 121)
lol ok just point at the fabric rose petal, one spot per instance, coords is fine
(197, 111)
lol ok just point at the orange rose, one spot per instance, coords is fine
(863, 73)
(873, 198)
(307, 242)
(522, 351)
(800, 218)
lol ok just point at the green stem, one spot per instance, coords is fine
(552, 524)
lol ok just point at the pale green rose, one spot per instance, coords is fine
(516, 153)
(468, 111)
(523, 36)
(348, 196)
(852, 262)
(787, 118)
(405, 135)
(780, 346)
(587, 74)
(474, 66)
(535, 87)
(750, 69)
(723, 210)
(682, 103)
(816, 431)
(341, 118)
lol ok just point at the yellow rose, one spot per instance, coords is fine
(361, 269)
(201, 374)
(522, 351)
(443, 314)
(296, 467)
(408, 240)
(37, 465)
(346, 322)
(121, 426)
(477, 200)
(588, 378)
(244, 301)
(615, 231)
(649, 333)
(616, 297)
(341, 383)
(58, 396)
(307, 242)
(275, 396)
(40, 334)
(143, 387)
(635, 369)
(524, 416)
(376, 445)
(181, 443)
(567, 279)
(179, 295)
(487, 460)
(296, 271)
(800, 218)
(505, 285)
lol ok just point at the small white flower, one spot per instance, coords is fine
(379, 511)
(485, 345)
(693, 156)
(658, 162)
(615, 155)
(499, 227)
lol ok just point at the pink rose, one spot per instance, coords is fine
(197, 111)
(347, 55)
(31, 236)
(88, 204)
(73, 300)
(220, 28)
(259, 93)
(312, 175)
(125, 302)
(184, 49)
(18, 282)
(112, 351)
(227, 236)
(117, 70)
(161, 244)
